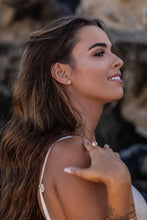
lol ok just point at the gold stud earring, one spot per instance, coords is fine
(68, 82)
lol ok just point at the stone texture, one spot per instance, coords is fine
(6, 15)
(22, 17)
(121, 14)
(33, 8)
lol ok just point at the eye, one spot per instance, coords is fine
(99, 53)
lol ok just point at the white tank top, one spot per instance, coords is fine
(139, 202)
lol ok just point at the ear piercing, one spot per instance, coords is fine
(68, 82)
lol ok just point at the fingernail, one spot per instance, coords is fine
(67, 170)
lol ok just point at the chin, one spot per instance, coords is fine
(119, 94)
(118, 97)
(115, 98)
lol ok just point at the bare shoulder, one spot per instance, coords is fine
(65, 153)
(70, 152)
(74, 192)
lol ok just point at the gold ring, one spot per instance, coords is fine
(93, 144)
(106, 146)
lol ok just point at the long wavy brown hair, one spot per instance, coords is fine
(41, 114)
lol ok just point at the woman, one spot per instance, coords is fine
(67, 74)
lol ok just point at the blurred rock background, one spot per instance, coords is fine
(123, 124)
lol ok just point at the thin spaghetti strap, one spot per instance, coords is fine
(41, 185)
(45, 161)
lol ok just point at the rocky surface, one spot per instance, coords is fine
(123, 123)
(121, 14)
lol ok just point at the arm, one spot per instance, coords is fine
(120, 201)
(107, 167)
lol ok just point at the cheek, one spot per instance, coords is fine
(90, 78)
(91, 70)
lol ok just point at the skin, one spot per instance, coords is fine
(91, 196)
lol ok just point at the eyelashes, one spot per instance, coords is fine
(99, 53)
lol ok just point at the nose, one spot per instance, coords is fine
(118, 62)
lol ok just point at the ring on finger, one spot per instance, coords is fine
(106, 146)
(93, 144)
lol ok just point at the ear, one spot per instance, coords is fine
(60, 72)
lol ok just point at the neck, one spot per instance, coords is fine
(90, 120)
(90, 112)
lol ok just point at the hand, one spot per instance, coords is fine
(106, 166)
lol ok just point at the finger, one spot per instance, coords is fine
(107, 147)
(88, 145)
(75, 171)
(83, 173)
(117, 154)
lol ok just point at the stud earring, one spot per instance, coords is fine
(68, 82)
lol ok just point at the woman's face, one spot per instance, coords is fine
(96, 72)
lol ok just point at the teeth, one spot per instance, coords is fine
(114, 78)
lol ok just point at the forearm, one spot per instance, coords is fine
(120, 202)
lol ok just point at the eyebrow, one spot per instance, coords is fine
(98, 45)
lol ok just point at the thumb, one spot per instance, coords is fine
(76, 171)
(82, 173)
